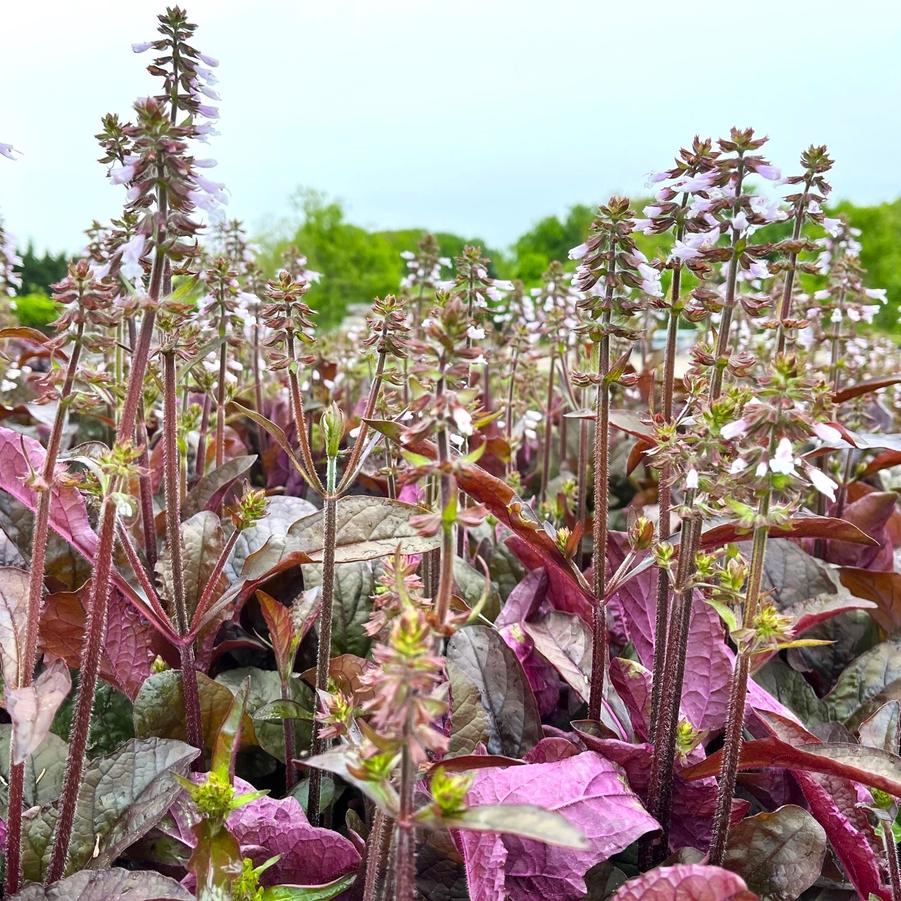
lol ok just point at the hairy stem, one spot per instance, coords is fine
(98, 600)
(548, 429)
(601, 503)
(672, 678)
(174, 541)
(325, 633)
(28, 658)
(406, 837)
(891, 855)
(377, 847)
(737, 698)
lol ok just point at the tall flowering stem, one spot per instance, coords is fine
(681, 206)
(608, 270)
(159, 172)
(172, 493)
(816, 162)
(81, 293)
(788, 408)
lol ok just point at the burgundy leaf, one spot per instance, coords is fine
(835, 802)
(882, 588)
(130, 647)
(870, 766)
(586, 789)
(685, 882)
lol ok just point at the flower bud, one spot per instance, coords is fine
(641, 534)
(332, 424)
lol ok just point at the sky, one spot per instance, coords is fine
(473, 116)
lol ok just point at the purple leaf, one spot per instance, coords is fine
(588, 790)
(708, 664)
(685, 882)
(309, 855)
(266, 827)
(32, 708)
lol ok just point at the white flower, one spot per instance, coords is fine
(784, 460)
(578, 252)
(694, 183)
(463, 420)
(684, 252)
(827, 432)
(836, 315)
(734, 429)
(761, 470)
(822, 482)
(876, 294)
(475, 333)
(691, 479)
(132, 251)
(407, 255)
(503, 284)
(738, 466)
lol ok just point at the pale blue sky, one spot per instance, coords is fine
(476, 116)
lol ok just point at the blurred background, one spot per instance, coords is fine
(350, 126)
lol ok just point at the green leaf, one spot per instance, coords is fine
(351, 606)
(367, 528)
(266, 687)
(159, 709)
(109, 885)
(866, 684)
(44, 770)
(564, 640)
(382, 793)
(725, 613)
(779, 854)
(202, 541)
(122, 796)
(309, 892)
(228, 737)
(514, 725)
(212, 487)
(523, 820)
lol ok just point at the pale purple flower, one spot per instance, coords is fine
(833, 226)
(503, 284)
(764, 170)
(122, 175)
(207, 111)
(734, 429)
(877, 294)
(210, 61)
(141, 47)
(692, 184)
(758, 269)
(9, 151)
(654, 177)
(578, 252)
